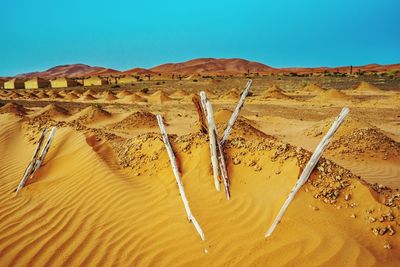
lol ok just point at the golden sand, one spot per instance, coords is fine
(106, 194)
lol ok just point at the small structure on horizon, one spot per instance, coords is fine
(63, 82)
(126, 80)
(94, 80)
(36, 83)
(2, 81)
(15, 83)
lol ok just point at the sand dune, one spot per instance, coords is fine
(80, 209)
(274, 92)
(331, 95)
(159, 97)
(51, 111)
(106, 194)
(109, 96)
(91, 114)
(123, 93)
(13, 108)
(233, 94)
(366, 88)
(137, 119)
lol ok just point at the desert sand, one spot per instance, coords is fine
(106, 194)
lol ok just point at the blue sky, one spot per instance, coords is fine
(36, 35)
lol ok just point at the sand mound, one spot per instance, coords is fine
(159, 97)
(139, 119)
(91, 114)
(366, 88)
(13, 108)
(134, 98)
(109, 96)
(87, 97)
(123, 93)
(54, 94)
(233, 94)
(42, 94)
(242, 127)
(51, 111)
(71, 96)
(331, 95)
(356, 137)
(179, 94)
(274, 92)
(15, 95)
(89, 92)
(313, 88)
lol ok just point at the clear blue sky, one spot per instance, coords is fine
(36, 35)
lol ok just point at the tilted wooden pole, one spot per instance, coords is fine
(309, 167)
(30, 168)
(220, 152)
(222, 167)
(45, 150)
(213, 145)
(235, 113)
(176, 172)
(202, 118)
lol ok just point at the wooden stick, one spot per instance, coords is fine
(309, 167)
(175, 169)
(202, 118)
(235, 114)
(220, 152)
(29, 169)
(213, 145)
(222, 167)
(45, 150)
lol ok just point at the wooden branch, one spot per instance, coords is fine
(176, 172)
(222, 167)
(309, 167)
(213, 146)
(30, 168)
(45, 150)
(200, 113)
(235, 113)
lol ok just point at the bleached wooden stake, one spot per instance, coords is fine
(213, 145)
(309, 167)
(30, 168)
(176, 172)
(222, 167)
(220, 152)
(235, 113)
(45, 150)
(200, 112)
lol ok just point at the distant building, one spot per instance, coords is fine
(2, 81)
(36, 83)
(126, 80)
(63, 82)
(15, 83)
(94, 80)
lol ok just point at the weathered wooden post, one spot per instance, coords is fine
(31, 165)
(45, 149)
(235, 113)
(213, 146)
(176, 172)
(309, 167)
(220, 152)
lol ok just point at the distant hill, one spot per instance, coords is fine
(71, 70)
(207, 66)
(213, 66)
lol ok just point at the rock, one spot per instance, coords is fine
(236, 161)
(387, 246)
(347, 197)
(353, 216)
